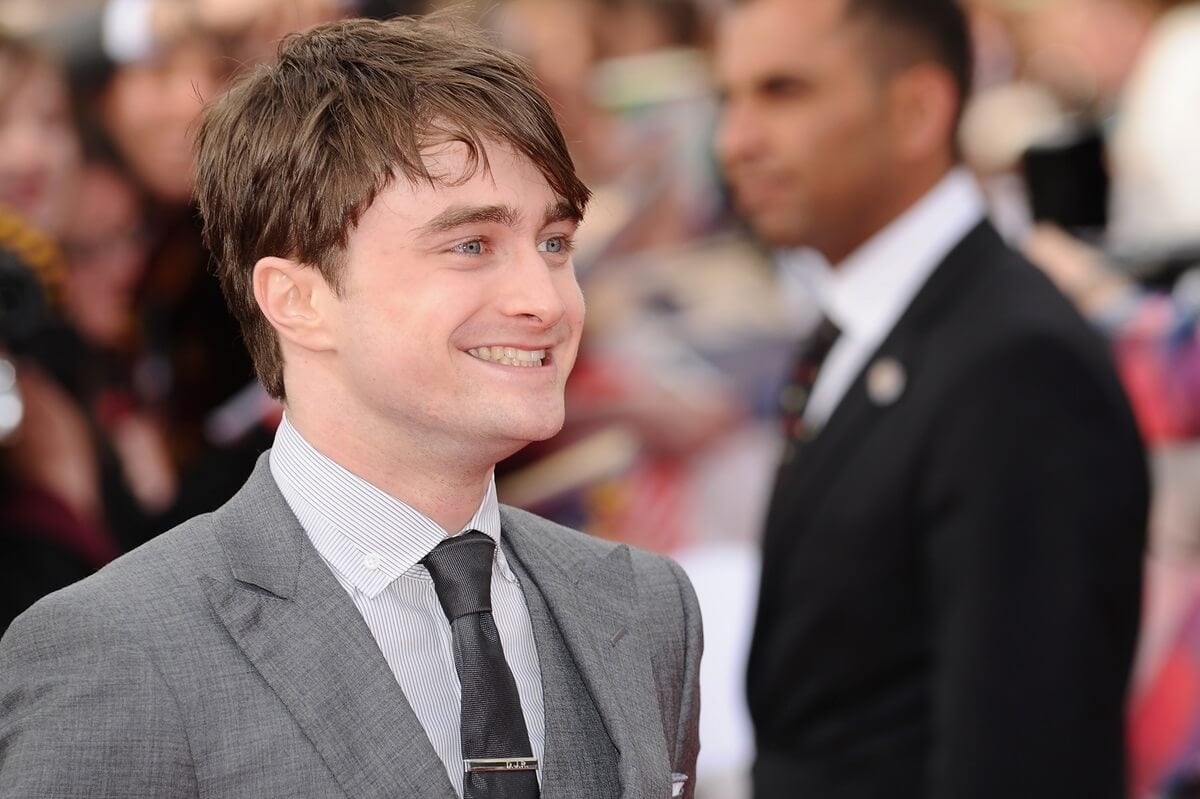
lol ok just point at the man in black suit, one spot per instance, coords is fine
(952, 554)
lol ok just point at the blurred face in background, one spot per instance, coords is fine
(39, 146)
(106, 250)
(1083, 50)
(150, 110)
(804, 138)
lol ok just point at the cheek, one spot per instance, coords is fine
(573, 305)
(574, 314)
(855, 142)
(409, 322)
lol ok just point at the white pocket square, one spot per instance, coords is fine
(677, 783)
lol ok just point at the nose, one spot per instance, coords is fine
(738, 136)
(534, 289)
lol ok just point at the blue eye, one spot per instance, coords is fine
(470, 247)
(558, 244)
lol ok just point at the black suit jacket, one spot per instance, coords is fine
(951, 581)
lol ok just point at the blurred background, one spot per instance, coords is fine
(127, 403)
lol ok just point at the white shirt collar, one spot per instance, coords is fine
(867, 293)
(368, 536)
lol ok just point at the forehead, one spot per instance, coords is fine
(763, 37)
(506, 177)
(497, 167)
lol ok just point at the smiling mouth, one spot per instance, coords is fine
(509, 356)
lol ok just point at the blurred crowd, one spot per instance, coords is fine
(127, 402)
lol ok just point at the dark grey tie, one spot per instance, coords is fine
(497, 758)
(793, 400)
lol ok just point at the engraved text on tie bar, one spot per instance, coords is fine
(482, 764)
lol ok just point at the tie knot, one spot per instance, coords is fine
(822, 339)
(461, 568)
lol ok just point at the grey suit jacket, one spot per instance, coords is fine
(223, 659)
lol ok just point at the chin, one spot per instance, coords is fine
(526, 428)
(543, 431)
(514, 443)
(544, 426)
(780, 232)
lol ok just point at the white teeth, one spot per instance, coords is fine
(509, 356)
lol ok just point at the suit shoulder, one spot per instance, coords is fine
(136, 586)
(988, 305)
(649, 568)
(1011, 295)
(553, 531)
(559, 535)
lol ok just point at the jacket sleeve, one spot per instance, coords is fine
(687, 746)
(84, 711)
(679, 685)
(1035, 497)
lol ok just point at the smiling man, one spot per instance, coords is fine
(392, 207)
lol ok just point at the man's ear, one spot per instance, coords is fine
(295, 299)
(924, 106)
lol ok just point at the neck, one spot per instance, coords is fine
(893, 204)
(447, 490)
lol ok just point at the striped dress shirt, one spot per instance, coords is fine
(373, 544)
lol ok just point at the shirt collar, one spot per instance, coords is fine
(867, 293)
(368, 536)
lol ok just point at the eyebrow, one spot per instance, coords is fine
(457, 216)
(561, 212)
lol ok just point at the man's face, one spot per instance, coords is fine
(804, 136)
(460, 316)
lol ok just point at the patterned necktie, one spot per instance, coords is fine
(795, 395)
(498, 761)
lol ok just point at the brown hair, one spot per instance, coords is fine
(291, 157)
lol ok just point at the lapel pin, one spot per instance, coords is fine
(886, 380)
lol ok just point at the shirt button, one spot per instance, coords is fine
(371, 561)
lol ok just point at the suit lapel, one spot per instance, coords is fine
(302, 633)
(592, 601)
(818, 462)
(579, 757)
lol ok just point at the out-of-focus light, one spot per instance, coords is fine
(12, 409)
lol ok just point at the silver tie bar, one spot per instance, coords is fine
(482, 764)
